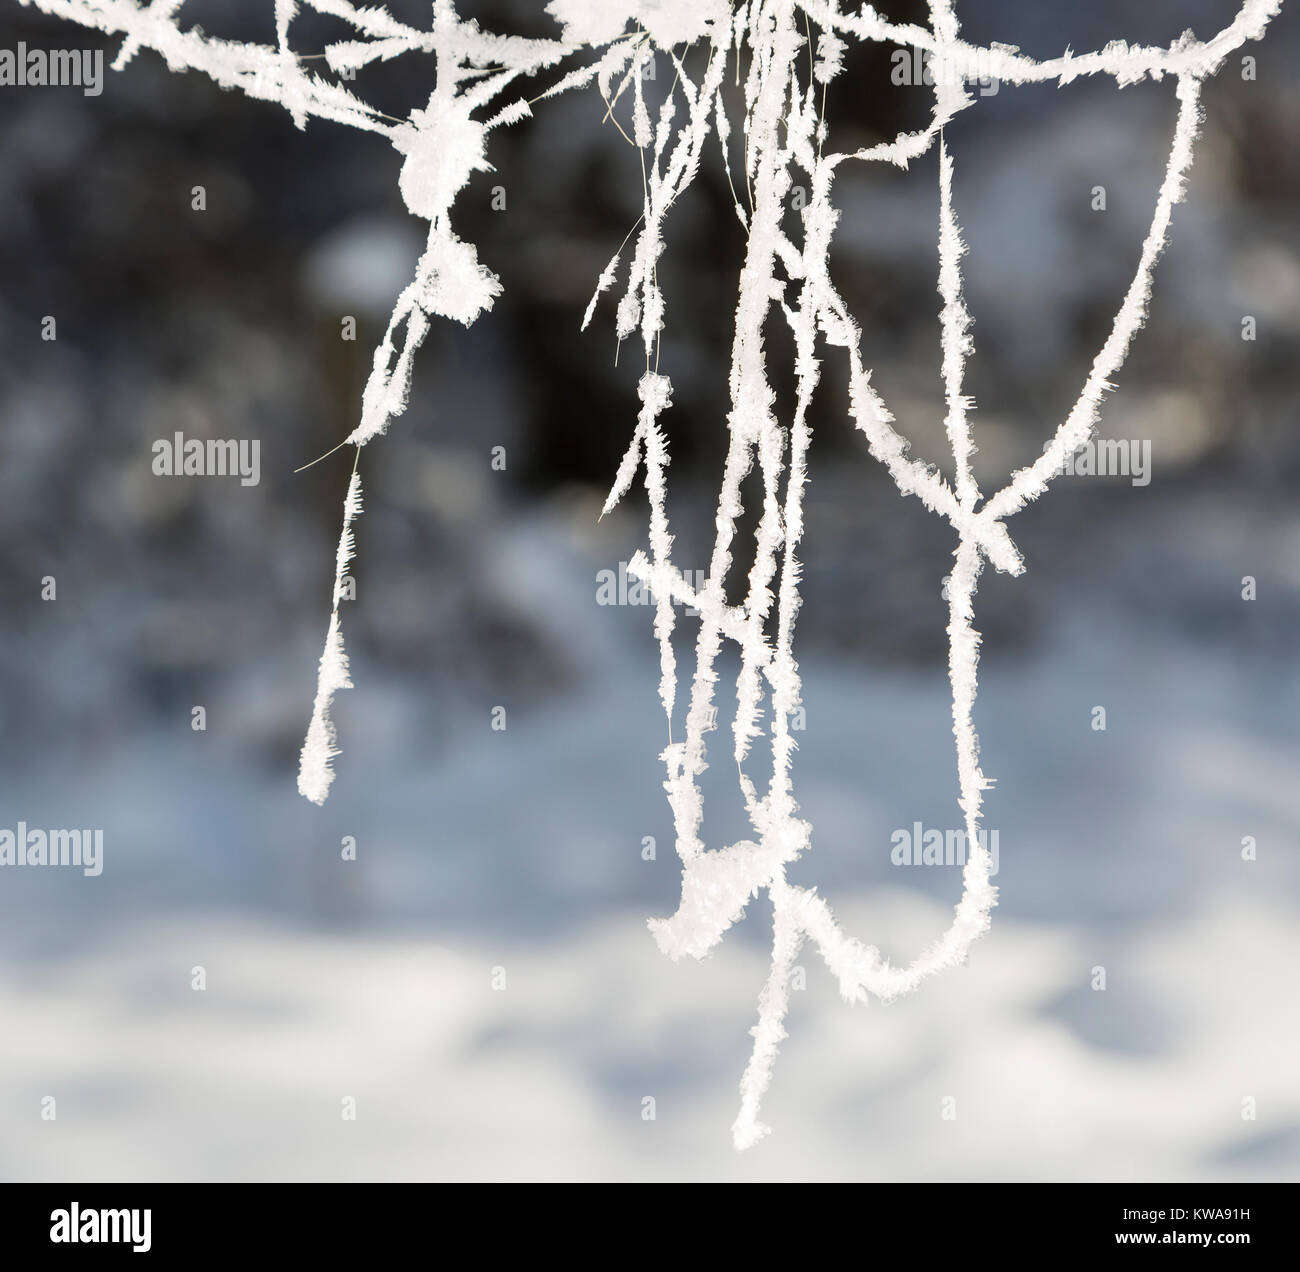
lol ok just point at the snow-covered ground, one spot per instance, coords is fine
(481, 981)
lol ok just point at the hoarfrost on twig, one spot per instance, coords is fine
(783, 135)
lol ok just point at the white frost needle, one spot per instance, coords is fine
(315, 766)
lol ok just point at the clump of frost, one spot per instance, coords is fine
(666, 22)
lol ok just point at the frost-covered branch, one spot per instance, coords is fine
(786, 277)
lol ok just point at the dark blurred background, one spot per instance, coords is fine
(476, 588)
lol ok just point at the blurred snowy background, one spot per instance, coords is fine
(523, 850)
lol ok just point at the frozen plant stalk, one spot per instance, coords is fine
(783, 279)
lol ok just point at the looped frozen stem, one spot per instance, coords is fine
(783, 132)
